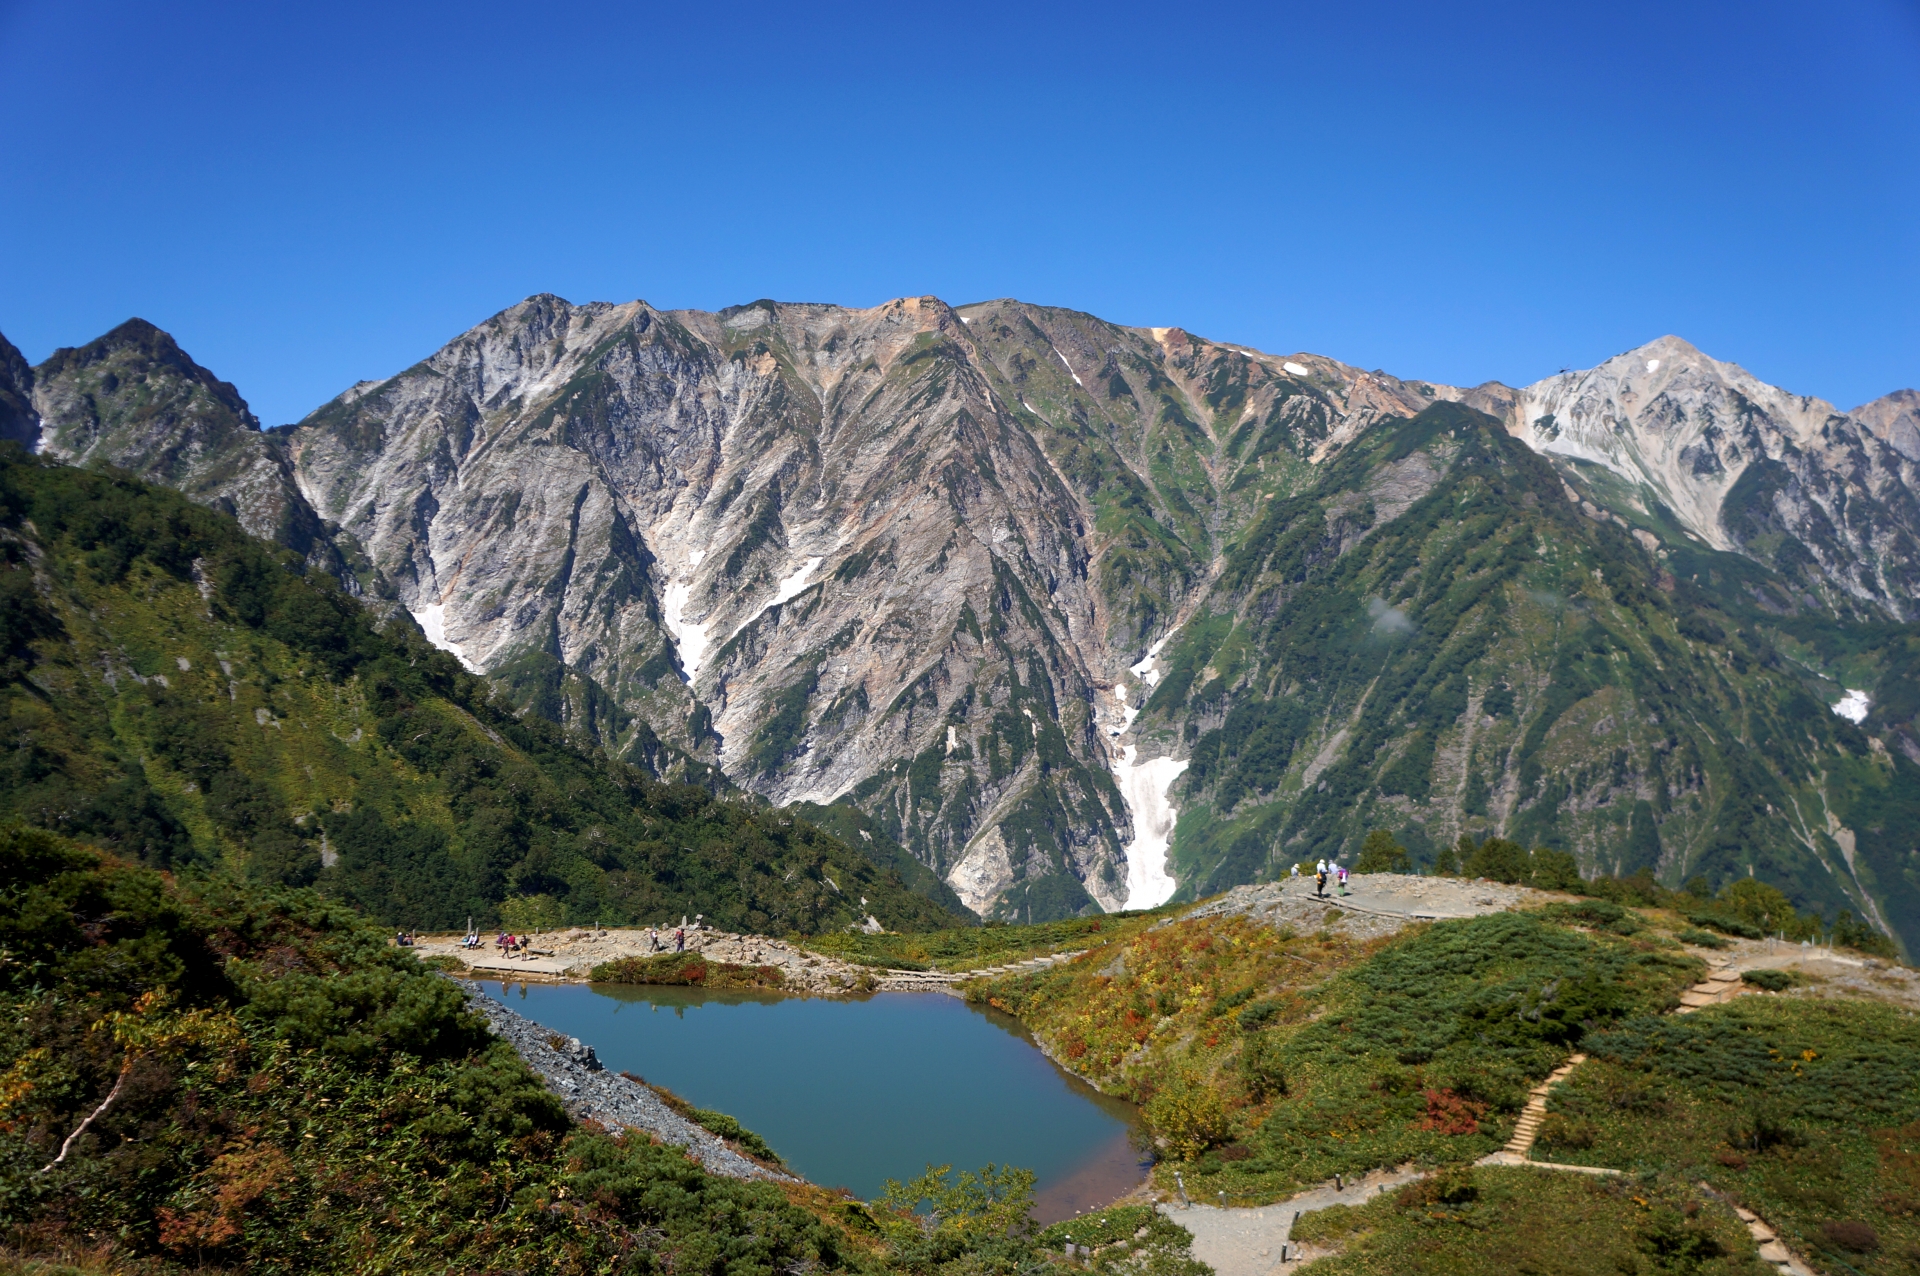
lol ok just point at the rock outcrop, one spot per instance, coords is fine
(591, 1093)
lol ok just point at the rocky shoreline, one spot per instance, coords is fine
(590, 1092)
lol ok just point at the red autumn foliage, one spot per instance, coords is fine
(1450, 1113)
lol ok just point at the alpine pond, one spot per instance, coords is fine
(853, 1092)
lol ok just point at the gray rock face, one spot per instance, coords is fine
(903, 555)
(1895, 420)
(19, 422)
(1826, 498)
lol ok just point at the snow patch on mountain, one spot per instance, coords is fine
(432, 620)
(689, 639)
(1147, 670)
(791, 587)
(1068, 366)
(1144, 785)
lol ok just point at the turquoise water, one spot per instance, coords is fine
(853, 1092)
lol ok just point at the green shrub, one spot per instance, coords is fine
(1101, 1227)
(1701, 939)
(728, 1128)
(523, 913)
(1381, 854)
(1455, 1185)
(1771, 980)
(1766, 909)
(1327, 1226)
(1256, 1016)
(686, 970)
(1855, 1237)
(1848, 932)
(1500, 860)
(1187, 1115)
(1726, 925)
(1597, 914)
(1563, 1131)
(1764, 1127)
(1262, 1067)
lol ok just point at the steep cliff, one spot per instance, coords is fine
(19, 422)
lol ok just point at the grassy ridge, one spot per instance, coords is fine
(185, 695)
(1492, 1222)
(990, 945)
(1272, 1059)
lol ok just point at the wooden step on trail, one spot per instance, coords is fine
(1720, 985)
(1527, 1128)
(1773, 1250)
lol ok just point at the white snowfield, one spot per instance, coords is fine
(1144, 785)
(432, 620)
(688, 638)
(1854, 706)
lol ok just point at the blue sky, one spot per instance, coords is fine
(310, 195)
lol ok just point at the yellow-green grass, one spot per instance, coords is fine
(1527, 1222)
(976, 947)
(1268, 1059)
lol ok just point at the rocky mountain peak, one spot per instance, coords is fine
(1073, 612)
(1741, 465)
(134, 380)
(1894, 419)
(1672, 418)
(135, 399)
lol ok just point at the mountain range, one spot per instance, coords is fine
(1086, 616)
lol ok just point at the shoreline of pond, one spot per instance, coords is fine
(844, 1086)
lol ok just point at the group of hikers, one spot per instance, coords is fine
(1322, 871)
(679, 940)
(654, 944)
(512, 945)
